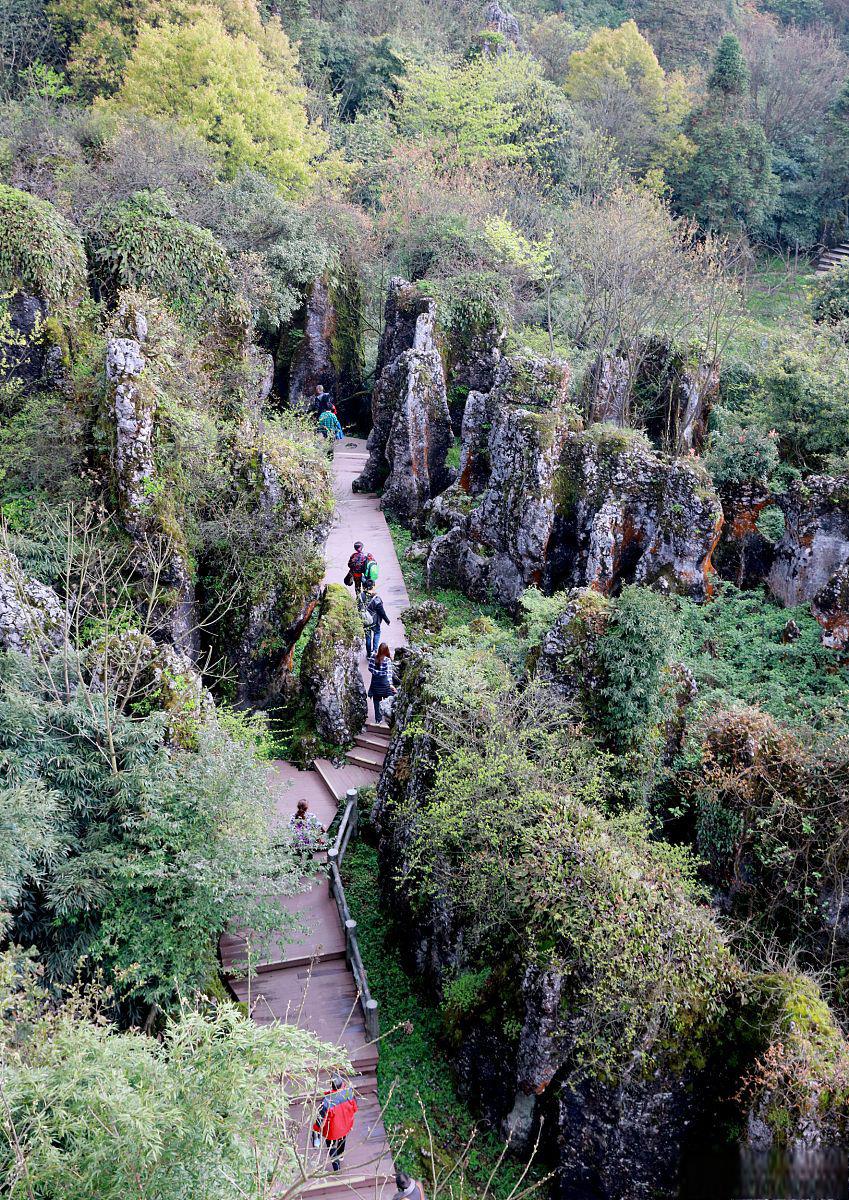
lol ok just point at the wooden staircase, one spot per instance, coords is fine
(837, 256)
(311, 982)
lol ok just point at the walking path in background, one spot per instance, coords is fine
(308, 982)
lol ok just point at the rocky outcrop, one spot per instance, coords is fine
(329, 352)
(744, 555)
(143, 509)
(32, 354)
(540, 502)
(32, 617)
(626, 514)
(330, 670)
(498, 20)
(411, 431)
(501, 510)
(660, 389)
(811, 560)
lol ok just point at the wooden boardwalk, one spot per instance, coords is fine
(308, 981)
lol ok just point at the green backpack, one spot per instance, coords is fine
(370, 573)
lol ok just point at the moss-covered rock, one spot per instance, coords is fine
(797, 1090)
(330, 673)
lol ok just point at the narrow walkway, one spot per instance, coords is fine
(309, 982)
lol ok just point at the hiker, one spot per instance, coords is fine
(381, 687)
(323, 399)
(329, 425)
(408, 1189)
(308, 831)
(356, 566)
(373, 614)
(335, 1118)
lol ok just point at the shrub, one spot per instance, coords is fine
(154, 849)
(140, 243)
(90, 1110)
(740, 455)
(830, 296)
(510, 842)
(633, 653)
(39, 250)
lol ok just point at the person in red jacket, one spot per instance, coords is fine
(335, 1118)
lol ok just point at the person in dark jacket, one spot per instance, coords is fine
(357, 564)
(323, 400)
(408, 1189)
(335, 1118)
(380, 666)
(373, 607)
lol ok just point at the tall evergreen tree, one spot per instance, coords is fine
(729, 181)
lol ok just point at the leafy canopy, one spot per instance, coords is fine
(250, 110)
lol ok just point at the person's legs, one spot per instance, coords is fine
(378, 702)
(337, 1149)
(371, 641)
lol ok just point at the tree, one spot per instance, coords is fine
(628, 95)
(729, 75)
(221, 84)
(496, 109)
(147, 851)
(729, 182)
(213, 1107)
(26, 38)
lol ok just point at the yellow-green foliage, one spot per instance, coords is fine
(249, 105)
(621, 62)
(39, 250)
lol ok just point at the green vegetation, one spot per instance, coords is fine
(40, 251)
(92, 1109)
(141, 244)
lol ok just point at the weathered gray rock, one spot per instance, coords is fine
(812, 558)
(411, 432)
(501, 510)
(626, 514)
(330, 350)
(161, 558)
(330, 670)
(501, 21)
(658, 389)
(32, 617)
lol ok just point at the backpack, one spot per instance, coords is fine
(365, 616)
(371, 570)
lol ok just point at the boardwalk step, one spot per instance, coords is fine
(381, 730)
(372, 760)
(350, 1186)
(303, 962)
(325, 771)
(369, 741)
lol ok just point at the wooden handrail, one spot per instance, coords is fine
(335, 855)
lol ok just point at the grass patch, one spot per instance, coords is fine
(416, 1059)
(461, 610)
